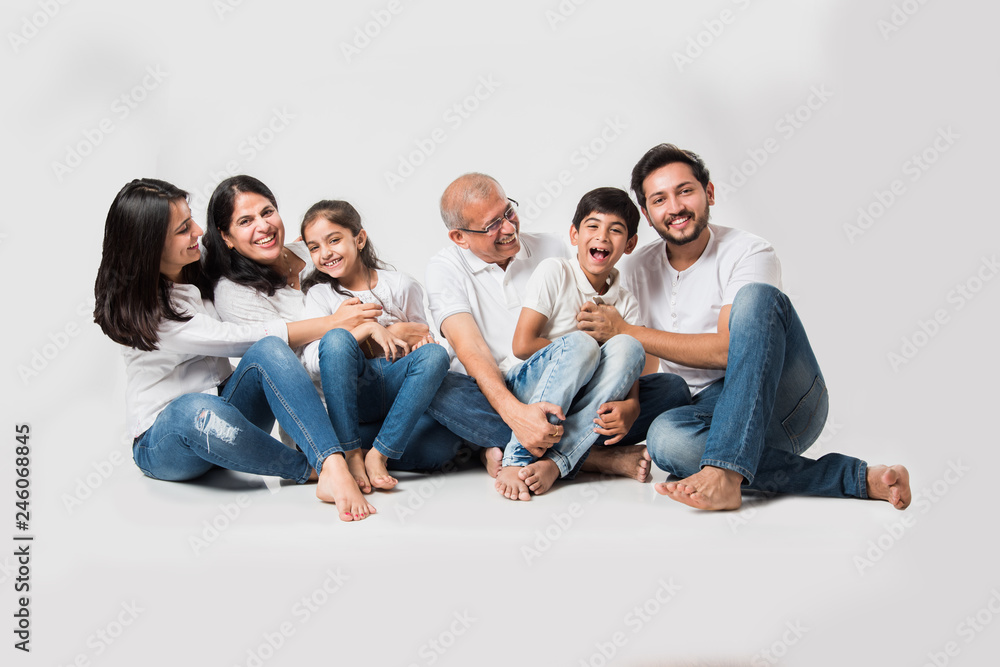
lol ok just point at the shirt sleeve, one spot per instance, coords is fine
(243, 304)
(759, 264)
(447, 290)
(204, 335)
(411, 300)
(628, 306)
(544, 287)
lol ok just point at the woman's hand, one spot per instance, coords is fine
(352, 313)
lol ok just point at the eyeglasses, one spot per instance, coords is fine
(494, 226)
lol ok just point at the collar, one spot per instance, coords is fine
(477, 265)
(583, 284)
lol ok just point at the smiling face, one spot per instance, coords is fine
(256, 230)
(334, 250)
(181, 245)
(601, 241)
(496, 248)
(676, 204)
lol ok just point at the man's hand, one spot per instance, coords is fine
(532, 429)
(616, 418)
(600, 321)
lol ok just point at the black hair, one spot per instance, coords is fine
(131, 296)
(221, 261)
(660, 156)
(341, 213)
(610, 201)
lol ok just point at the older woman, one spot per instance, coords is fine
(256, 277)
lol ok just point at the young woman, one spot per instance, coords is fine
(390, 383)
(257, 278)
(187, 409)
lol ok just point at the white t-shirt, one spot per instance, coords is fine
(401, 296)
(191, 357)
(460, 282)
(689, 301)
(558, 289)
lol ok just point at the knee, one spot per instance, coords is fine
(757, 298)
(434, 358)
(337, 340)
(672, 447)
(625, 348)
(580, 345)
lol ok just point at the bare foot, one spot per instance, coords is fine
(540, 475)
(377, 473)
(708, 489)
(509, 485)
(492, 458)
(622, 460)
(356, 464)
(890, 483)
(337, 485)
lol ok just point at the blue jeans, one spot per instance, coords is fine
(770, 407)
(578, 374)
(197, 432)
(364, 391)
(462, 408)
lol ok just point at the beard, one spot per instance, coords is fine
(698, 225)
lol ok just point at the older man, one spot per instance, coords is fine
(475, 287)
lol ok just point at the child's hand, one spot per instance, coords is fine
(383, 338)
(412, 332)
(616, 418)
(429, 338)
(351, 313)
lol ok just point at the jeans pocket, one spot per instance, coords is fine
(806, 421)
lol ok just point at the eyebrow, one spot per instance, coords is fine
(676, 187)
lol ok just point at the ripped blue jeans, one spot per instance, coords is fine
(197, 432)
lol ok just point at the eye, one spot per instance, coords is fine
(686, 191)
(267, 212)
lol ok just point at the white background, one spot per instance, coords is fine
(559, 80)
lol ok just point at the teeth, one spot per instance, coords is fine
(265, 240)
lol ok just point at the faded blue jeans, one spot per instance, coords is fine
(578, 374)
(197, 432)
(365, 391)
(770, 407)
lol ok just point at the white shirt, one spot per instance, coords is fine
(244, 304)
(459, 282)
(689, 301)
(558, 289)
(192, 357)
(401, 297)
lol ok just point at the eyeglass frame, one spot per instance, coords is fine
(511, 209)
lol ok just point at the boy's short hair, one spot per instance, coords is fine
(610, 201)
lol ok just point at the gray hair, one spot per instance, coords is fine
(463, 191)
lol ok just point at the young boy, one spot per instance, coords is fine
(565, 366)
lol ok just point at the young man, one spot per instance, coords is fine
(474, 287)
(566, 367)
(714, 313)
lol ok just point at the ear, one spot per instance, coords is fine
(710, 191)
(458, 237)
(361, 239)
(645, 214)
(225, 239)
(574, 234)
(631, 244)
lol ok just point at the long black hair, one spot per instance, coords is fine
(131, 295)
(221, 261)
(340, 213)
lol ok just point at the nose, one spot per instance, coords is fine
(507, 226)
(672, 205)
(196, 231)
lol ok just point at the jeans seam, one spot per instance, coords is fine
(385, 450)
(863, 480)
(794, 437)
(715, 463)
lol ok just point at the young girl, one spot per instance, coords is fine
(393, 382)
(188, 410)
